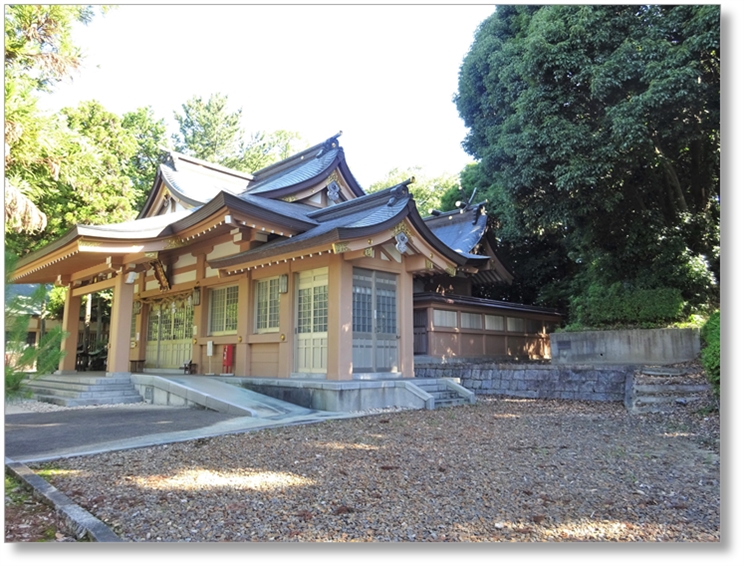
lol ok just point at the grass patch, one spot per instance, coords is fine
(15, 490)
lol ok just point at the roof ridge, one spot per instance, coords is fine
(391, 194)
(289, 161)
(207, 164)
(461, 210)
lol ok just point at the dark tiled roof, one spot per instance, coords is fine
(301, 172)
(480, 302)
(288, 209)
(460, 229)
(359, 217)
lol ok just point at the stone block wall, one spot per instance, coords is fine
(536, 381)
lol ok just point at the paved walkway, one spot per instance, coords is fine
(34, 437)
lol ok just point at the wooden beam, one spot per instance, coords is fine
(356, 254)
(94, 287)
(85, 274)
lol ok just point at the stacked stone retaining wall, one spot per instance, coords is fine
(537, 381)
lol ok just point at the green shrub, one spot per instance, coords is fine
(710, 354)
(602, 306)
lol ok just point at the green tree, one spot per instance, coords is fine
(265, 148)
(38, 54)
(68, 164)
(38, 43)
(23, 359)
(597, 134)
(149, 135)
(90, 185)
(209, 130)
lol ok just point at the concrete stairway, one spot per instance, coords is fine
(661, 389)
(445, 395)
(76, 390)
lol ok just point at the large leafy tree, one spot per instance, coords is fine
(149, 135)
(597, 134)
(80, 165)
(38, 54)
(209, 130)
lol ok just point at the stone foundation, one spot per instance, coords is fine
(537, 381)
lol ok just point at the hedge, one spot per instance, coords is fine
(710, 335)
(616, 305)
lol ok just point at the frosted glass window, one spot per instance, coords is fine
(514, 324)
(471, 320)
(494, 322)
(445, 318)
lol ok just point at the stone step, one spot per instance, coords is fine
(664, 372)
(453, 402)
(64, 386)
(74, 394)
(669, 400)
(84, 379)
(76, 402)
(669, 389)
(443, 395)
(73, 390)
(650, 395)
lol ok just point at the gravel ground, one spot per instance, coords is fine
(500, 470)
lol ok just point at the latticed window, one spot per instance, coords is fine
(320, 308)
(182, 319)
(386, 316)
(153, 323)
(362, 313)
(133, 326)
(312, 315)
(223, 310)
(267, 305)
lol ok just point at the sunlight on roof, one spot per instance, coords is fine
(505, 416)
(673, 434)
(197, 479)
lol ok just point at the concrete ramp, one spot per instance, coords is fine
(189, 390)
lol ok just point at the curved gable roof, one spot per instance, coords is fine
(460, 229)
(357, 218)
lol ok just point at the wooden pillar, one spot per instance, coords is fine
(340, 296)
(245, 315)
(286, 328)
(405, 323)
(71, 326)
(121, 321)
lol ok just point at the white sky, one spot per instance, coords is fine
(385, 75)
